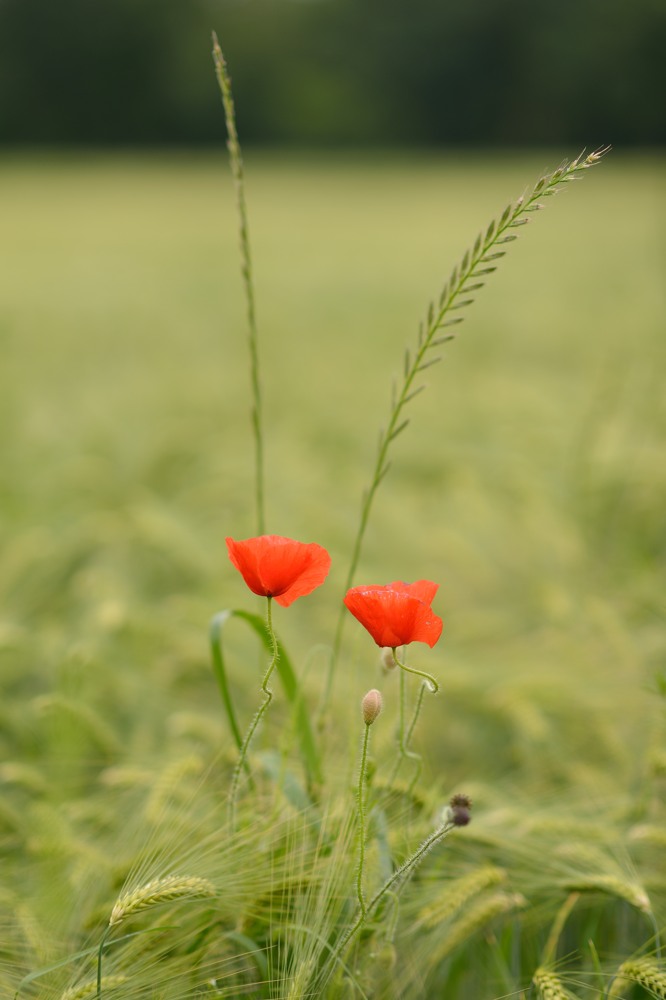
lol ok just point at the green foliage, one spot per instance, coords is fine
(325, 72)
(528, 483)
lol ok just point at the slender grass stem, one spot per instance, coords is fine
(657, 937)
(360, 795)
(236, 161)
(268, 695)
(457, 294)
(99, 961)
(548, 955)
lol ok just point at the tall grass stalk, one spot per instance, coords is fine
(236, 160)
(466, 279)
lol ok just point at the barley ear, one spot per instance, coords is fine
(89, 988)
(549, 986)
(160, 890)
(648, 974)
(612, 885)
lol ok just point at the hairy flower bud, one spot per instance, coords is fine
(372, 706)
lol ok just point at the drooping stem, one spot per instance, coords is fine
(432, 684)
(268, 694)
(360, 795)
(236, 161)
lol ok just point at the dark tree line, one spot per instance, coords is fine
(380, 72)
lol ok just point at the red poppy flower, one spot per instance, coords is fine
(397, 614)
(278, 567)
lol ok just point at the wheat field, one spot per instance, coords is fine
(530, 484)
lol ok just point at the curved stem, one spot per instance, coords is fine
(428, 678)
(361, 821)
(241, 763)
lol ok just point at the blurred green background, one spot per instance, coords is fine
(327, 72)
(531, 482)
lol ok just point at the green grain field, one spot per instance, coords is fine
(530, 484)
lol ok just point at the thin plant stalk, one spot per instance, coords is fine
(550, 948)
(268, 695)
(457, 295)
(405, 733)
(99, 962)
(236, 161)
(360, 796)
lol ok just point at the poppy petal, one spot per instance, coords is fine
(394, 617)
(244, 559)
(274, 566)
(423, 590)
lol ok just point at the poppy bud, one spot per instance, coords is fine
(372, 706)
(458, 810)
(388, 659)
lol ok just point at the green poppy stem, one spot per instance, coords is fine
(360, 795)
(405, 733)
(428, 678)
(268, 695)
